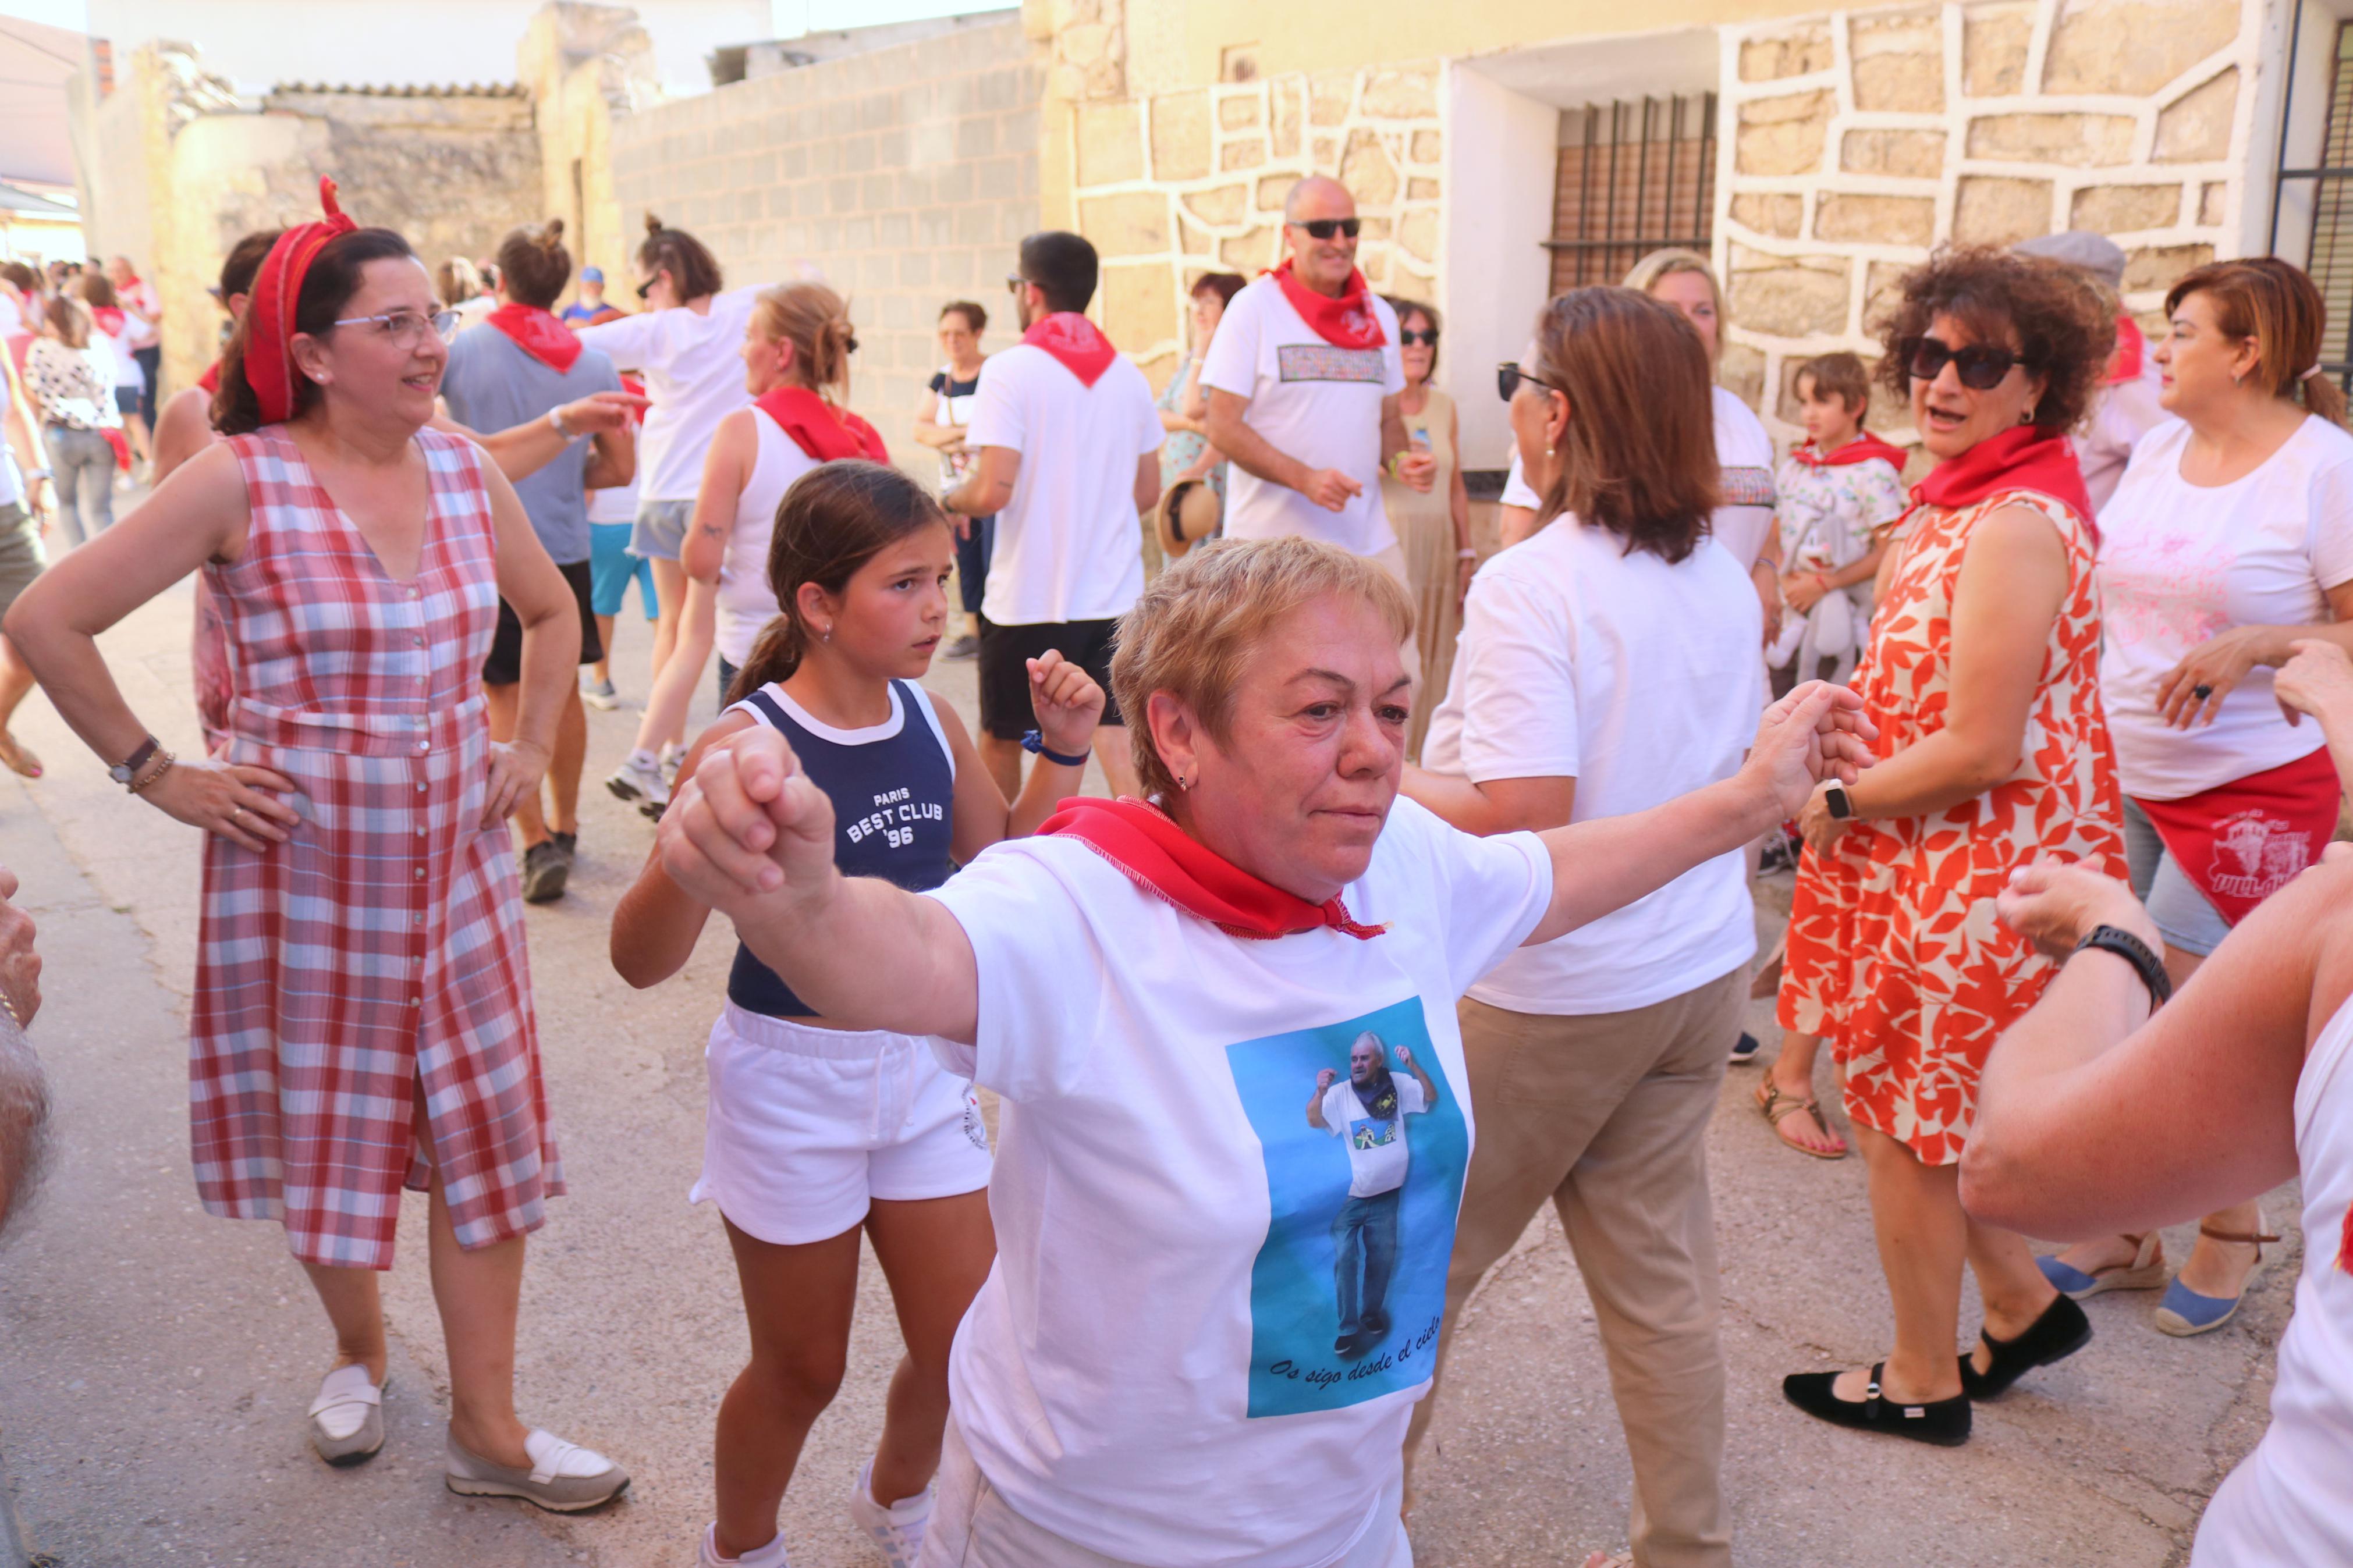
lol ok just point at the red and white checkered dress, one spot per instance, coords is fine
(383, 945)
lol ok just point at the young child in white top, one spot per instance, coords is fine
(1837, 493)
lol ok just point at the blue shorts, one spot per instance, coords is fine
(660, 533)
(612, 568)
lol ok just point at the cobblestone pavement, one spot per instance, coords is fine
(155, 1363)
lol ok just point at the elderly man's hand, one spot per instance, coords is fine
(2053, 903)
(20, 966)
(749, 825)
(1818, 732)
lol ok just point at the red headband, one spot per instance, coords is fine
(269, 315)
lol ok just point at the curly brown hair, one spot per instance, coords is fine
(2055, 317)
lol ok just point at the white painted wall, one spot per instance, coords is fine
(422, 43)
(1494, 271)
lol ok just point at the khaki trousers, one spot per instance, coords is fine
(1606, 1115)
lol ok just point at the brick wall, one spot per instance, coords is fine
(905, 176)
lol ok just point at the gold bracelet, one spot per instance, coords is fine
(157, 767)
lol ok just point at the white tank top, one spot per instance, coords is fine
(2290, 1503)
(746, 603)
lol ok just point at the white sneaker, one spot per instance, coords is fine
(897, 1531)
(599, 694)
(634, 780)
(772, 1555)
(672, 758)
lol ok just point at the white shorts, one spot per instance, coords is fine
(807, 1126)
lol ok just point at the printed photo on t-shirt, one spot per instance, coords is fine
(1365, 1147)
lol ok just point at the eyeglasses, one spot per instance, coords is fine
(1508, 376)
(1982, 366)
(406, 329)
(1325, 228)
(1015, 283)
(646, 287)
(1427, 337)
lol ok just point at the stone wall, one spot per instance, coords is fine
(905, 176)
(1852, 142)
(586, 66)
(1178, 184)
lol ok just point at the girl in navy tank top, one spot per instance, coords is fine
(816, 1135)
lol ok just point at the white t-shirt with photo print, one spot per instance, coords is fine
(1106, 1376)
(1376, 1145)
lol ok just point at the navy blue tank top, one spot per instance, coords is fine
(894, 794)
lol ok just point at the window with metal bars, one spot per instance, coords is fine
(2322, 194)
(1634, 175)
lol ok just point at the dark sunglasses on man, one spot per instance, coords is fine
(1325, 228)
(1015, 283)
(1982, 366)
(1427, 337)
(1508, 376)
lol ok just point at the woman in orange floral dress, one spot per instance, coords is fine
(1982, 674)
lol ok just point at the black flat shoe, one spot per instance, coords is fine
(1944, 1422)
(2058, 1333)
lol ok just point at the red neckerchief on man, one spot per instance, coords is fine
(1346, 322)
(269, 330)
(1145, 844)
(818, 428)
(1076, 341)
(538, 333)
(2124, 364)
(1861, 449)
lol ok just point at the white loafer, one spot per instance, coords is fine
(347, 1418)
(563, 1477)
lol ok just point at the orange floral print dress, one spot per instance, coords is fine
(1895, 954)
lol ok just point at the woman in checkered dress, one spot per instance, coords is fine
(363, 1017)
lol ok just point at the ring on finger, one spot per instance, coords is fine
(2201, 691)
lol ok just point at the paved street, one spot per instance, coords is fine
(155, 1363)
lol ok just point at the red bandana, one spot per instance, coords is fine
(538, 333)
(2021, 458)
(1163, 859)
(1861, 449)
(210, 380)
(108, 318)
(2124, 364)
(818, 428)
(1078, 342)
(1346, 322)
(2243, 841)
(269, 335)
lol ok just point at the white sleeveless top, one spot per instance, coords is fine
(2290, 1503)
(746, 603)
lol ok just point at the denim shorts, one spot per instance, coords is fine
(660, 533)
(2181, 912)
(613, 569)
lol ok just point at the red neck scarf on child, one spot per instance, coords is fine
(1861, 449)
(1346, 322)
(1078, 342)
(818, 428)
(2241, 842)
(1163, 859)
(538, 333)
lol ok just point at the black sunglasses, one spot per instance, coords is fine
(1508, 376)
(1427, 335)
(646, 287)
(1325, 228)
(1015, 283)
(1982, 366)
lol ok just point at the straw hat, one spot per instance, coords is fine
(1188, 512)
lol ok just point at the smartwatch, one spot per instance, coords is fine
(2137, 952)
(1840, 804)
(124, 772)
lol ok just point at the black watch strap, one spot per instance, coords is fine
(124, 772)
(2137, 952)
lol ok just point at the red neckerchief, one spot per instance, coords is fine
(1078, 342)
(632, 383)
(108, 318)
(1163, 859)
(1861, 449)
(538, 333)
(2124, 364)
(2021, 458)
(269, 312)
(1346, 322)
(210, 380)
(817, 427)
(2243, 841)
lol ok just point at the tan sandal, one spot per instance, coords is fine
(1778, 1108)
(16, 758)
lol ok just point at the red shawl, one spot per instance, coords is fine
(1861, 449)
(1346, 322)
(2241, 842)
(818, 428)
(1078, 342)
(1163, 859)
(2021, 458)
(269, 334)
(538, 333)
(2124, 364)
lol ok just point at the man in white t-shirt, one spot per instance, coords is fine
(1066, 445)
(1302, 379)
(1367, 1113)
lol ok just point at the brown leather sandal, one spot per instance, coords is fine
(1778, 1108)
